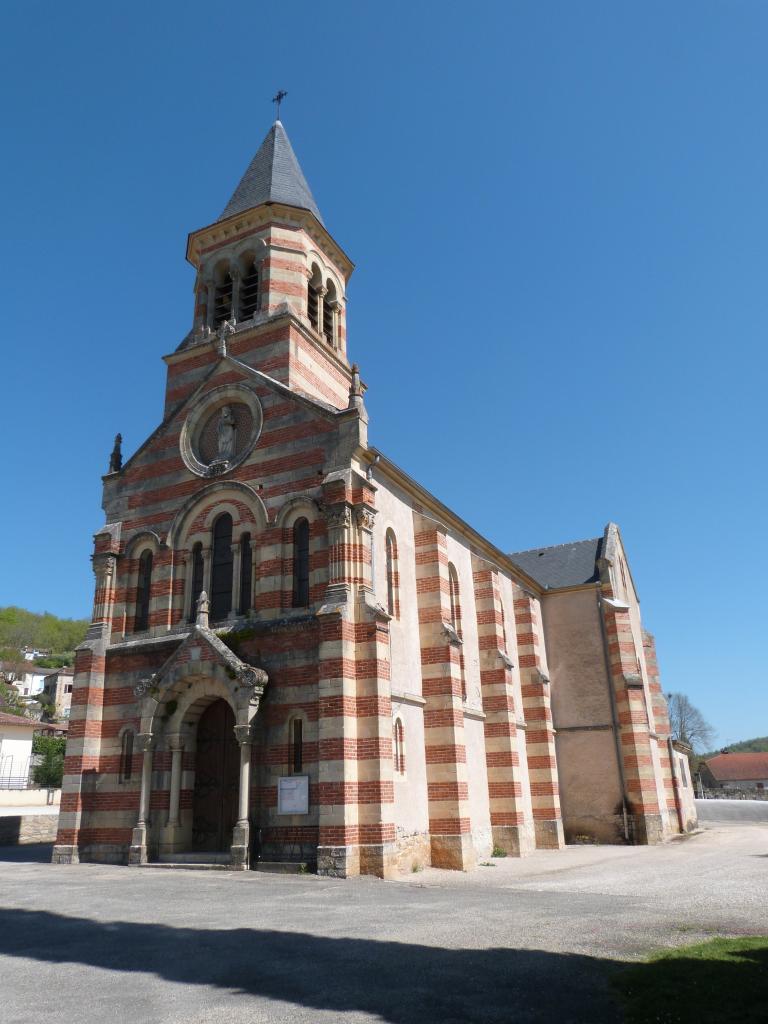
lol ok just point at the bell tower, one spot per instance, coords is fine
(271, 285)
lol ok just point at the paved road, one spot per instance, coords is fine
(732, 810)
(523, 941)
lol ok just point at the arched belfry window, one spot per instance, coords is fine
(143, 592)
(221, 568)
(246, 572)
(301, 563)
(222, 297)
(329, 304)
(313, 298)
(126, 756)
(393, 581)
(249, 290)
(198, 569)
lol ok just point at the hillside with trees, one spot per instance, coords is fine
(759, 745)
(43, 631)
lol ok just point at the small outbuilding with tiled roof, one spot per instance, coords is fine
(736, 771)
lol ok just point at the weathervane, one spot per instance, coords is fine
(281, 94)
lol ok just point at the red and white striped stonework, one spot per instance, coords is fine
(540, 736)
(511, 818)
(444, 742)
(481, 768)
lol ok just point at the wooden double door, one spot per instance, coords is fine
(217, 771)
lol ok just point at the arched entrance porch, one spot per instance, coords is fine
(201, 711)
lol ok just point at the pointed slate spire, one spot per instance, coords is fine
(273, 176)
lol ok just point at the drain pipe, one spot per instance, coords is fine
(614, 715)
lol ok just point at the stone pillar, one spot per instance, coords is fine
(236, 560)
(177, 755)
(234, 311)
(321, 293)
(137, 854)
(511, 821)
(634, 724)
(207, 569)
(445, 748)
(540, 733)
(241, 834)
(84, 748)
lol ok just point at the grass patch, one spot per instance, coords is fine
(715, 982)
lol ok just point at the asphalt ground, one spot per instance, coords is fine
(523, 940)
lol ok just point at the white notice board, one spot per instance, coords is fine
(293, 794)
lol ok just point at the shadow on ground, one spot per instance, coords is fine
(27, 853)
(395, 982)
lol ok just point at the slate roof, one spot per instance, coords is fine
(739, 767)
(564, 565)
(273, 176)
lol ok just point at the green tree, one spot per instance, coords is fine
(50, 771)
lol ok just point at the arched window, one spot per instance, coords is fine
(126, 756)
(143, 592)
(198, 568)
(222, 298)
(453, 588)
(329, 304)
(246, 572)
(393, 580)
(249, 290)
(301, 564)
(221, 568)
(313, 293)
(297, 745)
(399, 747)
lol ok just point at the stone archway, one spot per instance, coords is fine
(217, 770)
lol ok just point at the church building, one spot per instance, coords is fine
(298, 655)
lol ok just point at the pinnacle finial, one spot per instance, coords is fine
(116, 458)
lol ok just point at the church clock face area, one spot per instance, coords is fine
(221, 431)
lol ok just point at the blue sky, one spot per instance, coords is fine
(558, 216)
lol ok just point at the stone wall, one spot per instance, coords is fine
(27, 828)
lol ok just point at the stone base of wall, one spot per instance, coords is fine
(607, 828)
(549, 834)
(456, 853)
(16, 829)
(648, 829)
(514, 840)
(413, 852)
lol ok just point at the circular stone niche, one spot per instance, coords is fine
(221, 431)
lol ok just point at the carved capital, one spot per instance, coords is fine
(243, 734)
(176, 741)
(452, 636)
(145, 741)
(365, 517)
(103, 565)
(337, 516)
(144, 687)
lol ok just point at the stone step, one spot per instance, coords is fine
(284, 867)
(195, 858)
(188, 865)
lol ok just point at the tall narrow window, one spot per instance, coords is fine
(126, 756)
(313, 305)
(329, 303)
(198, 568)
(246, 571)
(249, 291)
(143, 591)
(453, 587)
(301, 563)
(399, 745)
(297, 745)
(393, 582)
(221, 568)
(222, 300)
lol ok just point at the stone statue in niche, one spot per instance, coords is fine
(226, 434)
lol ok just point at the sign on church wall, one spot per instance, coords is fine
(293, 794)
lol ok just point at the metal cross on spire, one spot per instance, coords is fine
(281, 94)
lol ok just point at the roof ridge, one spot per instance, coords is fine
(551, 547)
